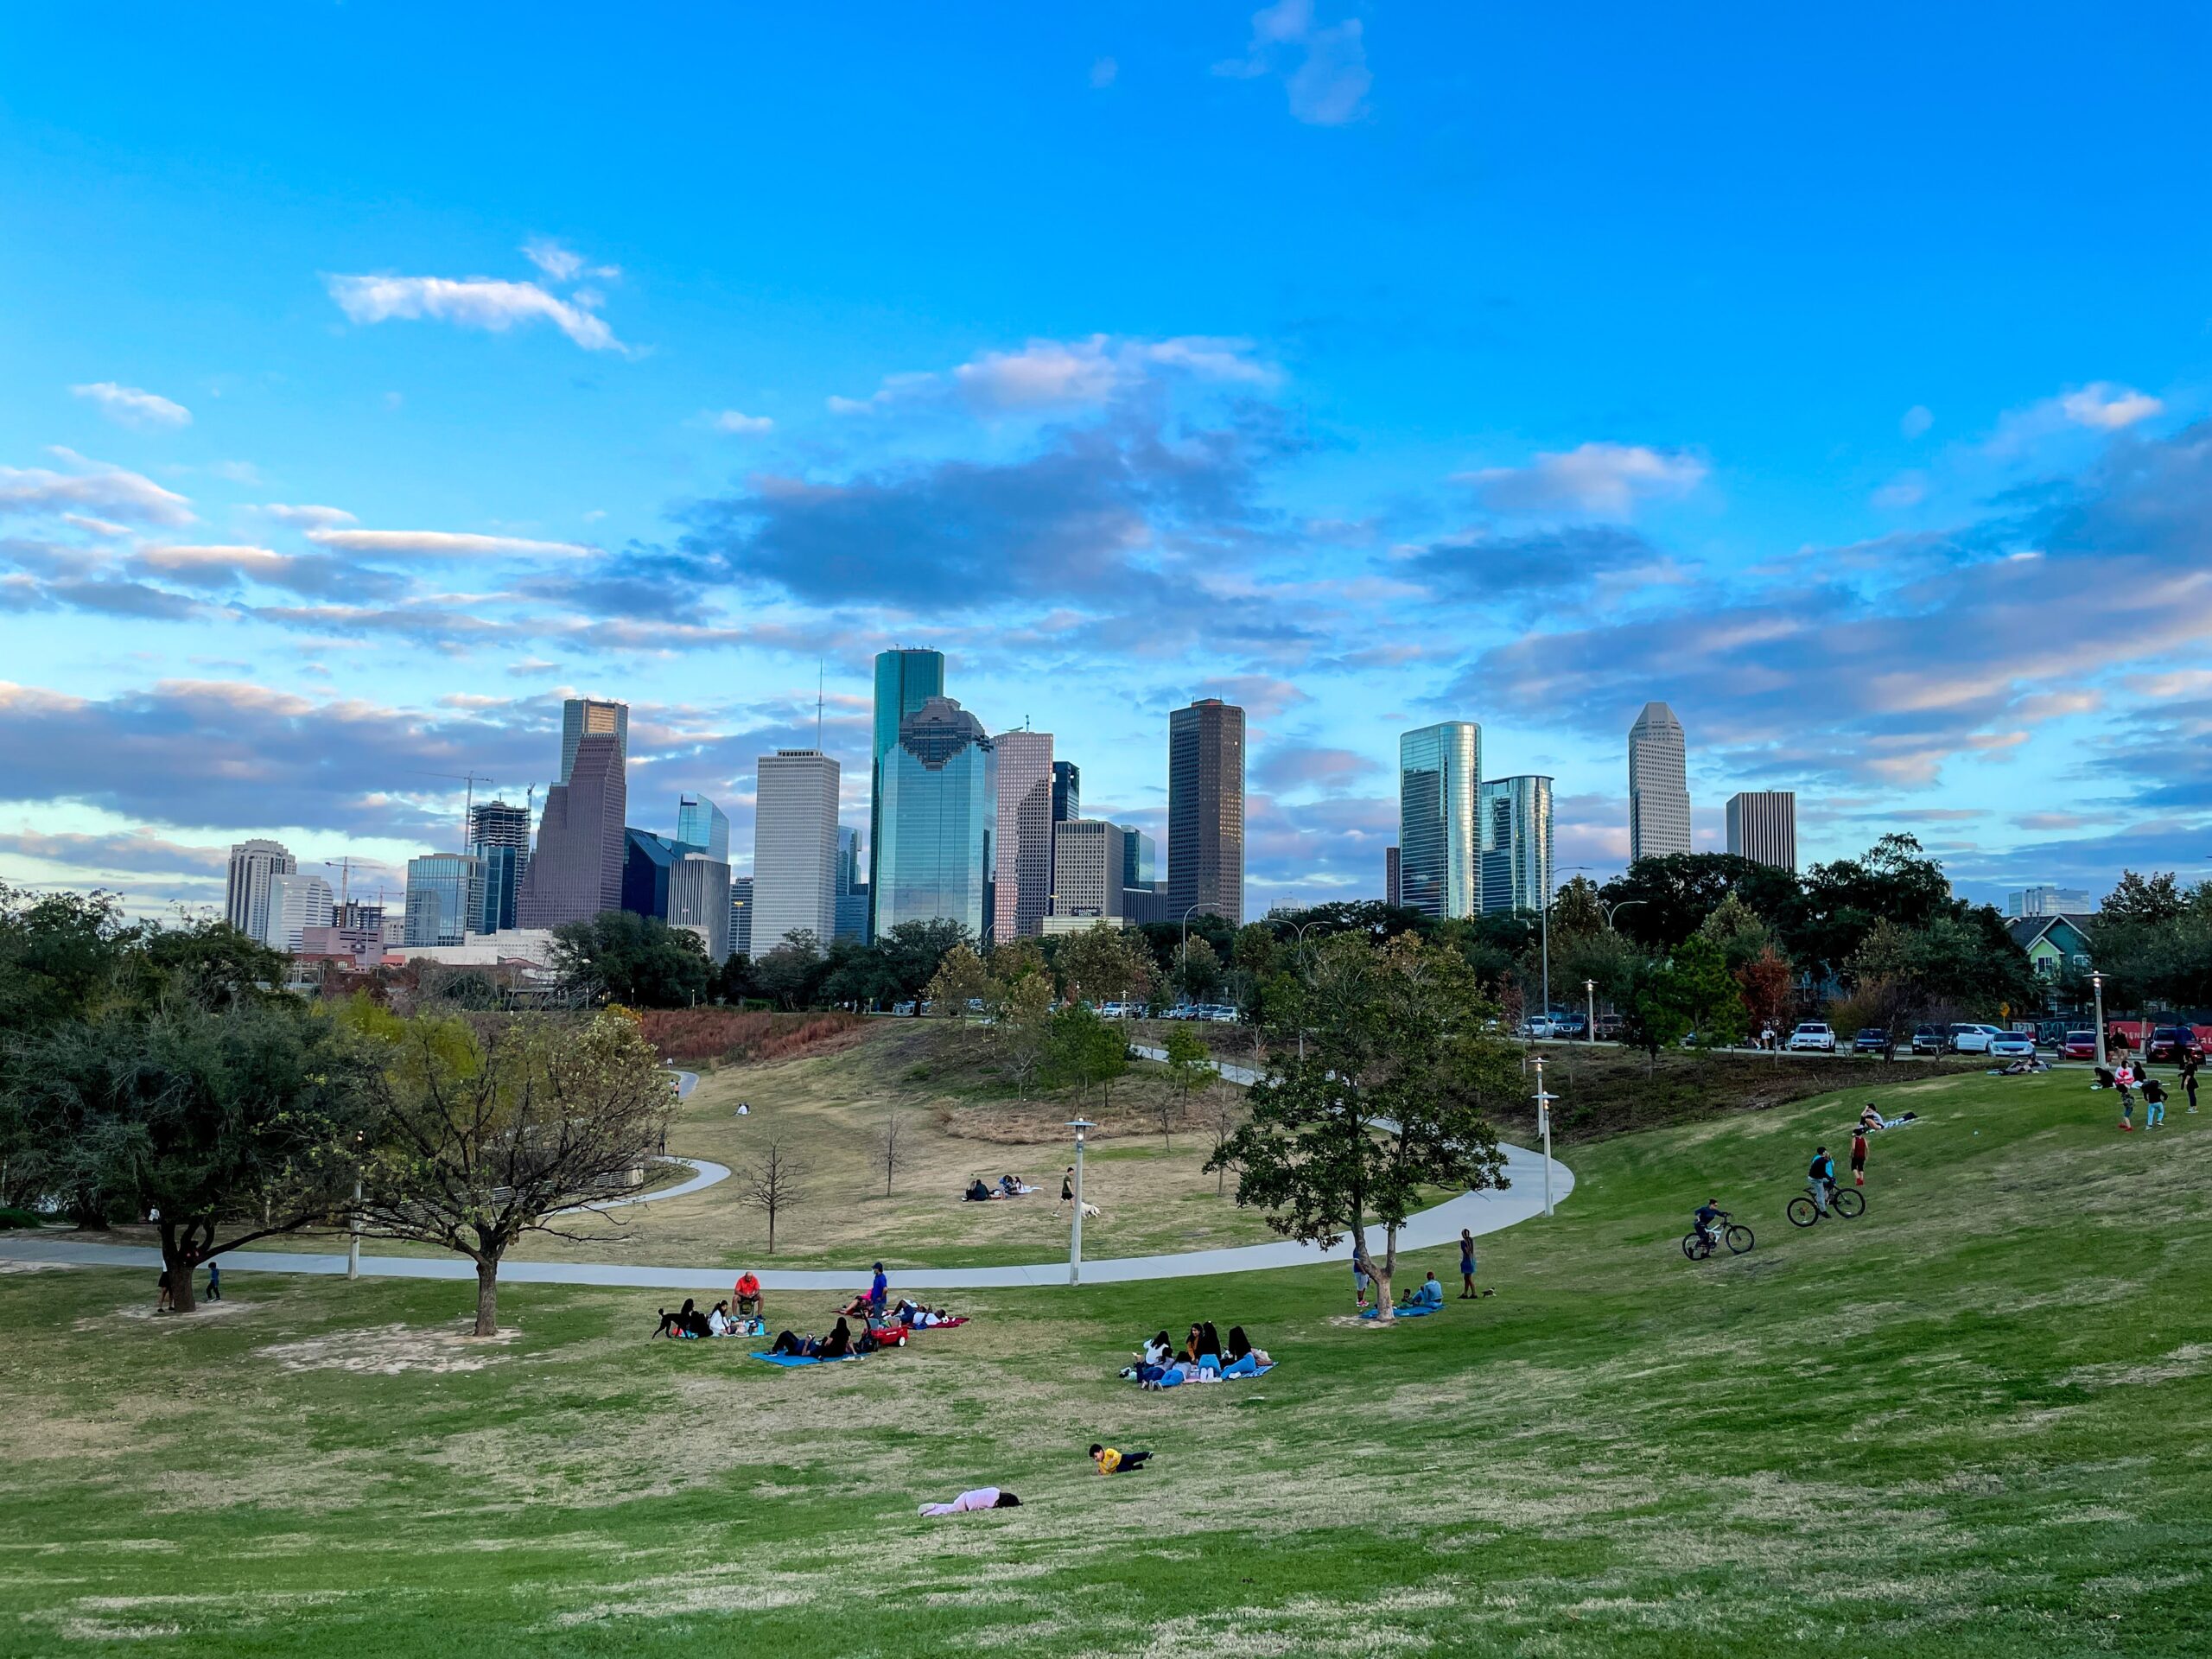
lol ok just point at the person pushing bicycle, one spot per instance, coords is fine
(1820, 1179)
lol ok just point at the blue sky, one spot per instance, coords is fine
(370, 375)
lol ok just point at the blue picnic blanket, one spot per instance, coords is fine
(1417, 1311)
(1175, 1379)
(806, 1359)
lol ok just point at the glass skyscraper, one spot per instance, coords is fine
(498, 839)
(1516, 816)
(937, 817)
(905, 680)
(581, 717)
(1658, 785)
(1205, 809)
(437, 898)
(702, 826)
(1439, 835)
(1067, 790)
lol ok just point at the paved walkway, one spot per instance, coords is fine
(1480, 1212)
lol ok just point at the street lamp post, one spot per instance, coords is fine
(1590, 1010)
(1082, 1126)
(353, 1243)
(1298, 931)
(1544, 1123)
(2097, 985)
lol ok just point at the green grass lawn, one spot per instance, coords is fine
(1976, 1421)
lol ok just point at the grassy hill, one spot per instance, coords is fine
(1978, 1421)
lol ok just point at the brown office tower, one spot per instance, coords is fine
(577, 870)
(1205, 809)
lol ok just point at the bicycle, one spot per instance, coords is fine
(1699, 1247)
(1844, 1202)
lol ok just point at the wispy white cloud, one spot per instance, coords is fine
(216, 561)
(319, 517)
(1605, 480)
(1055, 374)
(1915, 421)
(739, 425)
(443, 544)
(130, 406)
(473, 303)
(564, 264)
(98, 489)
(1323, 67)
(1104, 72)
(2107, 406)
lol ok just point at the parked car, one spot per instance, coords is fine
(2173, 1043)
(1871, 1039)
(2080, 1046)
(1610, 1027)
(1972, 1039)
(2011, 1045)
(1931, 1039)
(1814, 1036)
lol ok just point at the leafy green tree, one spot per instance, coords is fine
(1197, 971)
(1390, 1100)
(1577, 911)
(61, 953)
(960, 978)
(792, 974)
(1738, 930)
(1708, 993)
(638, 961)
(1189, 1072)
(2159, 898)
(1104, 965)
(1021, 1029)
(1082, 1050)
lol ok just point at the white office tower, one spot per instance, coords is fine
(246, 896)
(296, 903)
(1762, 826)
(794, 849)
(1087, 859)
(1658, 785)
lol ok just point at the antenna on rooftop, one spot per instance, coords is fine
(817, 705)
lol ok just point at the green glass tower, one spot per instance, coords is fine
(905, 680)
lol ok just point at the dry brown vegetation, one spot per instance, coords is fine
(731, 1036)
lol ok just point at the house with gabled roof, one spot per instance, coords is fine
(2054, 945)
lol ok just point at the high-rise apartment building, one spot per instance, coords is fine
(702, 826)
(245, 893)
(1762, 826)
(936, 854)
(852, 886)
(1440, 833)
(1516, 837)
(581, 717)
(437, 898)
(1205, 809)
(795, 849)
(905, 680)
(2049, 901)
(498, 839)
(296, 903)
(740, 916)
(1658, 785)
(1087, 862)
(576, 871)
(1024, 832)
(1067, 790)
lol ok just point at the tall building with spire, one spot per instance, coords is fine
(1440, 831)
(1658, 785)
(905, 680)
(1026, 839)
(1205, 809)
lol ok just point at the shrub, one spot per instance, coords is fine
(737, 1034)
(12, 1217)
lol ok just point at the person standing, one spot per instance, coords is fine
(878, 1291)
(2124, 1080)
(1466, 1264)
(2154, 1103)
(1858, 1156)
(162, 1292)
(1359, 1283)
(2189, 1063)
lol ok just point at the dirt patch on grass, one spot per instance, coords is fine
(391, 1349)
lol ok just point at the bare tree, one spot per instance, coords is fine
(1224, 1114)
(891, 1148)
(497, 1129)
(772, 1185)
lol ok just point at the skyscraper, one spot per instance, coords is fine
(577, 872)
(581, 717)
(1087, 861)
(852, 886)
(1067, 790)
(648, 867)
(1205, 809)
(740, 916)
(498, 839)
(245, 893)
(702, 826)
(296, 903)
(1439, 834)
(905, 680)
(1658, 785)
(1024, 831)
(1393, 889)
(937, 823)
(1139, 855)
(795, 849)
(1516, 836)
(437, 898)
(2048, 901)
(1762, 826)
(698, 898)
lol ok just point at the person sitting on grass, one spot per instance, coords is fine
(748, 1293)
(1244, 1360)
(1192, 1344)
(1158, 1351)
(1010, 1186)
(1428, 1294)
(1111, 1462)
(718, 1320)
(838, 1343)
(983, 1498)
(1208, 1346)
(976, 1192)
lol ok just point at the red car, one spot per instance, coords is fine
(2173, 1043)
(2080, 1046)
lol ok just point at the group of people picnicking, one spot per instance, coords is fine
(689, 1323)
(1009, 1187)
(1204, 1357)
(880, 1325)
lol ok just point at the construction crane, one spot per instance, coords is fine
(469, 810)
(344, 868)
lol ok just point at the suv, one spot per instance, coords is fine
(1931, 1039)
(2174, 1043)
(1610, 1027)
(1871, 1039)
(1814, 1036)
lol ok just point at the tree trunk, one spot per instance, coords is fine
(487, 1296)
(1384, 1304)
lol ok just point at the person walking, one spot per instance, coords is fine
(2154, 1103)
(2189, 1080)
(2124, 1080)
(214, 1281)
(1466, 1264)
(1858, 1156)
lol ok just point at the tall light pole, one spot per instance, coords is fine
(1590, 1010)
(1082, 1126)
(1544, 1123)
(1299, 931)
(2097, 985)
(353, 1243)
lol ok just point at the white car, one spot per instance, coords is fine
(2011, 1045)
(1974, 1038)
(1813, 1036)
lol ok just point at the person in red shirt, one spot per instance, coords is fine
(748, 1293)
(1858, 1156)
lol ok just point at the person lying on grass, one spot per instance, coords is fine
(983, 1498)
(1428, 1294)
(1111, 1462)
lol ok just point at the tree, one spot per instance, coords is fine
(1224, 1116)
(772, 1186)
(1738, 930)
(890, 1152)
(1104, 965)
(59, 953)
(1021, 1029)
(1577, 911)
(1083, 1049)
(1708, 993)
(639, 961)
(791, 974)
(1197, 971)
(1763, 984)
(493, 1130)
(1190, 1069)
(2134, 898)
(960, 978)
(1389, 1101)
(227, 1124)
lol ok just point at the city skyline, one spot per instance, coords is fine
(364, 453)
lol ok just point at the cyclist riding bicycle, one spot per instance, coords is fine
(1820, 1180)
(1707, 1213)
